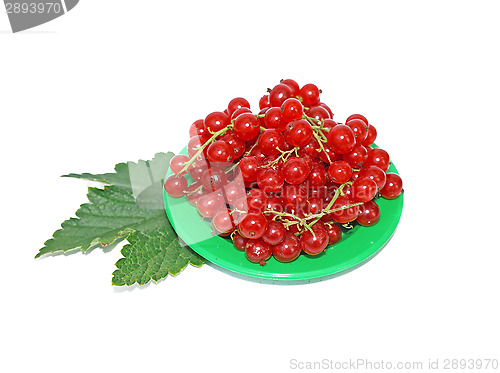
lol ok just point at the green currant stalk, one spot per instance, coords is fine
(205, 145)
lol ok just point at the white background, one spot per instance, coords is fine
(120, 80)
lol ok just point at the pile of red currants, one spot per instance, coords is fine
(283, 181)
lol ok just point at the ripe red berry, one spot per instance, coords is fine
(341, 139)
(393, 186)
(258, 251)
(246, 126)
(357, 116)
(369, 214)
(222, 222)
(236, 144)
(309, 94)
(295, 170)
(319, 113)
(271, 142)
(334, 233)
(375, 173)
(359, 128)
(288, 249)
(293, 86)
(327, 108)
(256, 200)
(298, 133)
(213, 179)
(216, 121)
(219, 152)
(291, 109)
(275, 232)
(175, 185)
(239, 242)
(378, 157)
(357, 156)
(343, 214)
(239, 111)
(177, 163)
(314, 242)
(364, 189)
(279, 94)
(209, 204)
(270, 180)
(340, 172)
(264, 102)
(197, 128)
(237, 103)
(371, 136)
(249, 168)
(273, 119)
(252, 225)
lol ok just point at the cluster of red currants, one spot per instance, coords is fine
(281, 182)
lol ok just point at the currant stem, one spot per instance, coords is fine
(205, 145)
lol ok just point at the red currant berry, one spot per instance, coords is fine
(271, 142)
(357, 156)
(315, 205)
(317, 176)
(357, 116)
(341, 139)
(177, 163)
(334, 233)
(240, 111)
(194, 145)
(371, 136)
(239, 242)
(249, 168)
(197, 128)
(246, 126)
(293, 86)
(275, 232)
(193, 192)
(258, 251)
(273, 119)
(364, 189)
(213, 179)
(378, 157)
(209, 204)
(256, 200)
(319, 113)
(252, 225)
(369, 214)
(328, 155)
(291, 109)
(343, 214)
(234, 191)
(237, 103)
(219, 151)
(275, 203)
(375, 173)
(295, 170)
(359, 128)
(287, 250)
(175, 185)
(309, 94)
(264, 102)
(327, 108)
(311, 149)
(216, 121)
(270, 180)
(238, 146)
(314, 242)
(197, 171)
(393, 186)
(298, 133)
(340, 172)
(295, 198)
(279, 94)
(222, 222)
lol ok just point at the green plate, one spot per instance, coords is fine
(356, 247)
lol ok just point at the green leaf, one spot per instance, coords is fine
(152, 256)
(111, 216)
(131, 175)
